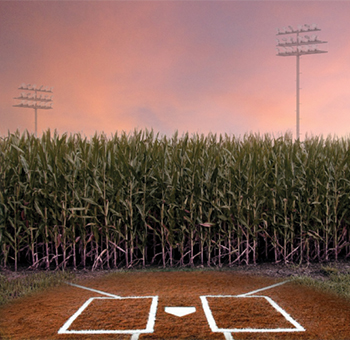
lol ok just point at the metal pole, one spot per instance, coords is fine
(298, 92)
(293, 48)
(36, 122)
(36, 118)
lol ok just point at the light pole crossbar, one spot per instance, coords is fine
(33, 101)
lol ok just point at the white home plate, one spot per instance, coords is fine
(180, 311)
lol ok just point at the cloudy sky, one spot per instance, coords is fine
(191, 66)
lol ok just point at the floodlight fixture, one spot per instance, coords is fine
(35, 101)
(302, 45)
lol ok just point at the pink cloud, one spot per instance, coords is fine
(197, 66)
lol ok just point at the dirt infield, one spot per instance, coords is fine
(131, 305)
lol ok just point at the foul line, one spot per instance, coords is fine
(261, 289)
(95, 290)
(249, 293)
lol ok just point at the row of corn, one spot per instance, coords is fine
(143, 199)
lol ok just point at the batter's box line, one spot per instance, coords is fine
(215, 328)
(135, 332)
(227, 331)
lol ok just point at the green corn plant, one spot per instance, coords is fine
(139, 199)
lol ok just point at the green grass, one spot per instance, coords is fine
(12, 288)
(334, 282)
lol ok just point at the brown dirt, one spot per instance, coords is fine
(127, 314)
(41, 315)
(246, 313)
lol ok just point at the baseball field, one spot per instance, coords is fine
(116, 205)
(199, 304)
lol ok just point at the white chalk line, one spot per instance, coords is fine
(206, 308)
(262, 289)
(135, 332)
(228, 336)
(152, 315)
(64, 328)
(208, 313)
(213, 326)
(94, 290)
(227, 332)
(252, 292)
(285, 314)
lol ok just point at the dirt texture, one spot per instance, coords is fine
(41, 315)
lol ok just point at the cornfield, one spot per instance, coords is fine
(140, 199)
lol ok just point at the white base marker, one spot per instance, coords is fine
(180, 311)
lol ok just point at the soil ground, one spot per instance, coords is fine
(41, 315)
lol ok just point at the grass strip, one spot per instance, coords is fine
(337, 283)
(12, 288)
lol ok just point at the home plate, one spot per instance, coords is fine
(180, 311)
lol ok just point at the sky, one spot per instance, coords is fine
(187, 66)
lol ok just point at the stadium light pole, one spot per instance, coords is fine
(301, 45)
(34, 101)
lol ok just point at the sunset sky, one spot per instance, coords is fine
(191, 66)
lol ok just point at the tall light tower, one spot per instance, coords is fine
(298, 46)
(34, 101)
